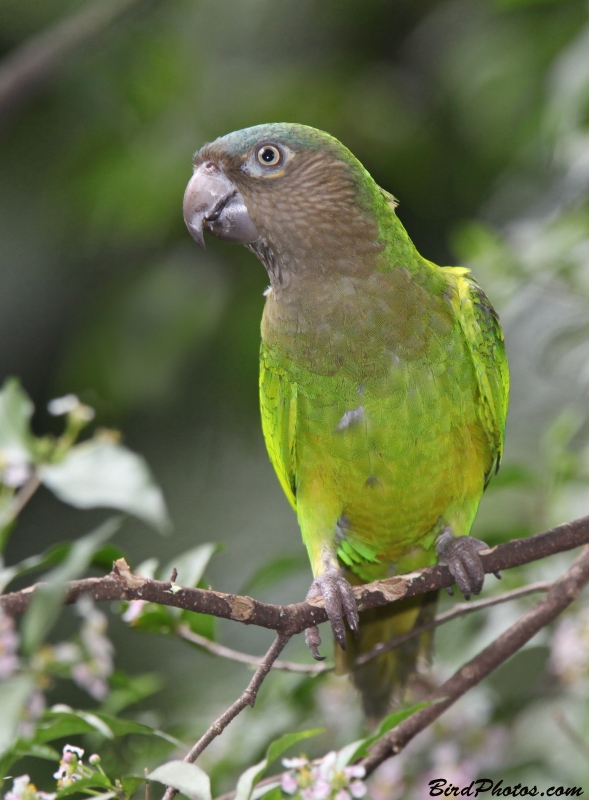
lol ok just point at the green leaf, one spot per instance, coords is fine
(129, 689)
(103, 559)
(102, 473)
(24, 748)
(155, 619)
(280, 746)
(130, 783)
(251, 776)
(16, 410)
(61, 728)
(96, 781)
(273, 572)
(203, 624)
(14, 693)
(358, 749)
(189, 779)
(95, 722)
(123, 727)
(248, 779)
(271, 792)
(191, 564)
(46, 602)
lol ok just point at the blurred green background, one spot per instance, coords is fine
(475, 114)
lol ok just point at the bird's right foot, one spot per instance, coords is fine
(340, 604)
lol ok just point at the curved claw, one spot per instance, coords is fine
(340, 605)
(313, 640)
(461, 555)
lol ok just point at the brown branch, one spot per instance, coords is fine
(247, 698)
(563, 592)
(121, 584)
(30, 65)
(459, 610)
(216, 649)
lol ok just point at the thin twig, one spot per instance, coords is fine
(561, 594)
(24, 494)
(247, 698)
(459, 610)
(244, 658)
(571, 733)
(121, 584)
(30, 65)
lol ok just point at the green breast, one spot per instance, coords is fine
(386, 407)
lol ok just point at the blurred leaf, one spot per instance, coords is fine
(97, 781)
(251, 776)
(191, 564)
(271, 792)
(155, 619)
(94, 721)
(130, 783)
(14, 693)
(189, 779)
(273, 572)
(102, 559)
(515, 475)
(61, 726)
(46, 602)
(24, 748)
(102, 473)
(356, 750)
(203, 624)
(16, 410)
(124, 727)
(128, 689)
(280, 746)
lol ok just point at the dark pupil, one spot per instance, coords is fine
(268, 155)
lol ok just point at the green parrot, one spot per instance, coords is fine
(383, 381)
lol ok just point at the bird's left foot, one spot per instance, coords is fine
(340, 604)
(461, 555)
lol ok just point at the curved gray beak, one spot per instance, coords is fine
(212, 202)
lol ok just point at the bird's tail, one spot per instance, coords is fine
(382, 681)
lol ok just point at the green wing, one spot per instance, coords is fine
(278, 404)
(482, 330)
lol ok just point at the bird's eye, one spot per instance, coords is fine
(269, 155)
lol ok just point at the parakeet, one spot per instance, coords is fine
(383, 378)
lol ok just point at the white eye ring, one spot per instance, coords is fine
(268, 155)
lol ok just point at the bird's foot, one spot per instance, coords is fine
(461, 555)
(340, 604)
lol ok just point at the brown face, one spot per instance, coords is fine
(300, 200)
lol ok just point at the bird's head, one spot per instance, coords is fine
(290, 192)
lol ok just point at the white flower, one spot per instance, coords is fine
(355, 771)
(289, 783)
(343, 794)
(327, 766)
(295, 763)
(63, 405)
(14, 467)
(358, 789)
(134, 610)
(321, 789)
(19, 786)
(9, 641)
